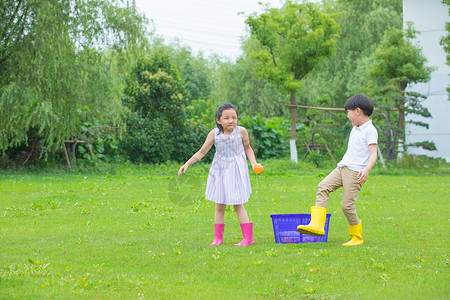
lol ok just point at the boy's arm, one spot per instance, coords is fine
(364, 173)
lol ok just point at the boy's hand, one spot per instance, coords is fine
(362, 176)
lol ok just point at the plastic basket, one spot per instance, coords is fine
(285, 229)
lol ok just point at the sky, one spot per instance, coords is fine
(209, 26)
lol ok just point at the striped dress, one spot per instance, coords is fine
(228, 179)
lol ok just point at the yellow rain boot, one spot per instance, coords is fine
(317, 224)
(356, 233)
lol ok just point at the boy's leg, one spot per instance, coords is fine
(329, 184)
(351, 189)
(319, 212)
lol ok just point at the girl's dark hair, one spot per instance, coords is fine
(360, 101)
(219, 111)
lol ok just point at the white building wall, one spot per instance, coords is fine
(429, 17)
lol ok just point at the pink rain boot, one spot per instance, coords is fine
(247, 232)
(218, 237)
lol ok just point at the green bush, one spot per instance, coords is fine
(155, 141)
(157, 128)
(189, 140)
(147, 140)
(269, 136)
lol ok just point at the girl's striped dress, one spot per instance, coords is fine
(228, 179)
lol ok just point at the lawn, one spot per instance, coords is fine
(119, 235)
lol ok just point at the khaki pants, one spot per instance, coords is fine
(348, 179)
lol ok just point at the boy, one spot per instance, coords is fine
(351, 172)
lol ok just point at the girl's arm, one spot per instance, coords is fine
(248, 149)
(200, 153)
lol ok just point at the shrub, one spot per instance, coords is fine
(269, 135)
(147, 140)
(189, 140)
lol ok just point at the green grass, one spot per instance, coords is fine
(119, 236)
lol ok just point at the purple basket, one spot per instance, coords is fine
(285, 229)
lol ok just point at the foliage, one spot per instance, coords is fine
(293, 40)
(55, 76)
(422, 163)
(400, 70)
(202, 111)
(64, 66)
(196, 72)
(145, 139)
(324, 129)
(196, 81)
(103, 140)
(396, 64)
(157, 127)
(269, 135)
(362, 25)
(238, 83)
(154, 96)
(445, 40)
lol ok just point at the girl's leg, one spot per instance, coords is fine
(219, 213)
(241, 213)
(246, 226)
(219, 226)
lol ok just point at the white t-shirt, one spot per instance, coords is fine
(357, 155)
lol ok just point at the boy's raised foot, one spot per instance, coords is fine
(317, 224)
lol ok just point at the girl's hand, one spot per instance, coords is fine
(183, 169)
(258, 168)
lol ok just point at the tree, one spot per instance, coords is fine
(56, 72)
(238, 83)
(398, 63)
(362, 24)
(196, 72)
(155, 98)
(293, 40)
(14, 21)
(445, 41)
(157, 126)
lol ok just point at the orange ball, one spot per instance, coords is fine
(258, 169)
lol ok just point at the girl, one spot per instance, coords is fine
(228, 179)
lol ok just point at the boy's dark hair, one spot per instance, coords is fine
(219, 111)
(360, 101)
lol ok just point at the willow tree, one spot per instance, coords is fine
(55, 74)
(293, 40)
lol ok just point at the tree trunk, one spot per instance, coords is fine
(401, 122)
(313, 142)
(391, 138)
(401, 117)
(293, 145)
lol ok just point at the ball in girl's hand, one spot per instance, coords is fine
(258, 168)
